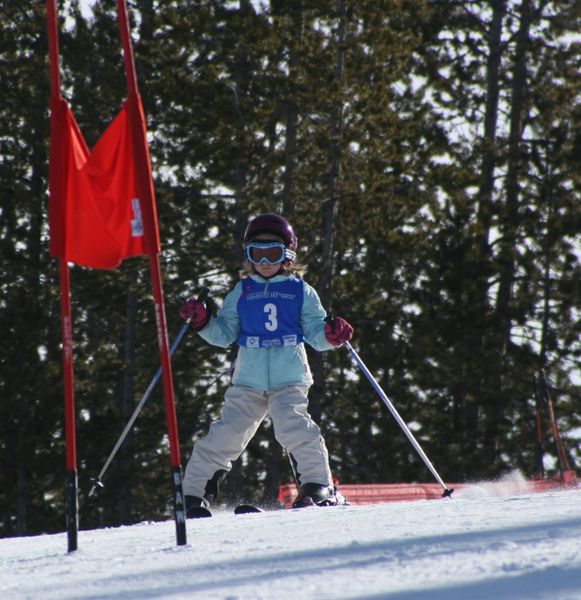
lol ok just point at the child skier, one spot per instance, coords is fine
(270, 314)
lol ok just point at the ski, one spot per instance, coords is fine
(198, 512)
(245, 509)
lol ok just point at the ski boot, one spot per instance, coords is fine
(315, 494)
(196, 507)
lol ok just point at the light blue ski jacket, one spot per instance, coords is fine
(269, 368)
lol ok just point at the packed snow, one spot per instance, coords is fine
(479, 544)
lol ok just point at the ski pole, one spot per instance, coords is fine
(447, 491)
(538, 406)
(563, 462)
(98, 480)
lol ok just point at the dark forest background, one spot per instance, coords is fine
(427, 153)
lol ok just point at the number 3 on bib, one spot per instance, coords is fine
(272, 322)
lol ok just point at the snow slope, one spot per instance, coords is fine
(475, 545)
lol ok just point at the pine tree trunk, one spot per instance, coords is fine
(472, 388)
(490, 150)
(290, 150)
(325, 282)
(509, 229)
(547, 260)
(241, 76)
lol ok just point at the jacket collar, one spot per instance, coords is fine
(275, 279)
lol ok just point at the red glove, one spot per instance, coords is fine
(337, 331)
(197, 312)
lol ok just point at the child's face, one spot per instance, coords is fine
(264, 269)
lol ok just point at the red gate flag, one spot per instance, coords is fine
(102, 202)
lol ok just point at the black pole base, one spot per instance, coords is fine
(179, 506)
(447, 493)
(72, 509)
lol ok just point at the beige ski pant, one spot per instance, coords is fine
(243, 411)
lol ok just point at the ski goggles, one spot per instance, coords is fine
(271, 253)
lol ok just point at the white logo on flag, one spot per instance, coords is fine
(137, 221)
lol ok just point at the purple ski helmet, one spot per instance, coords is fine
(272, 223)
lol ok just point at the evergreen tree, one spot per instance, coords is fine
(29, 374)
(426, 153)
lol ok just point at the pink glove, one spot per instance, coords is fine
(337, 331)
(198, 313)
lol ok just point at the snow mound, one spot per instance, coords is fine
(511, 484)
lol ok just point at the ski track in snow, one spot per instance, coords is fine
(474, 546)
